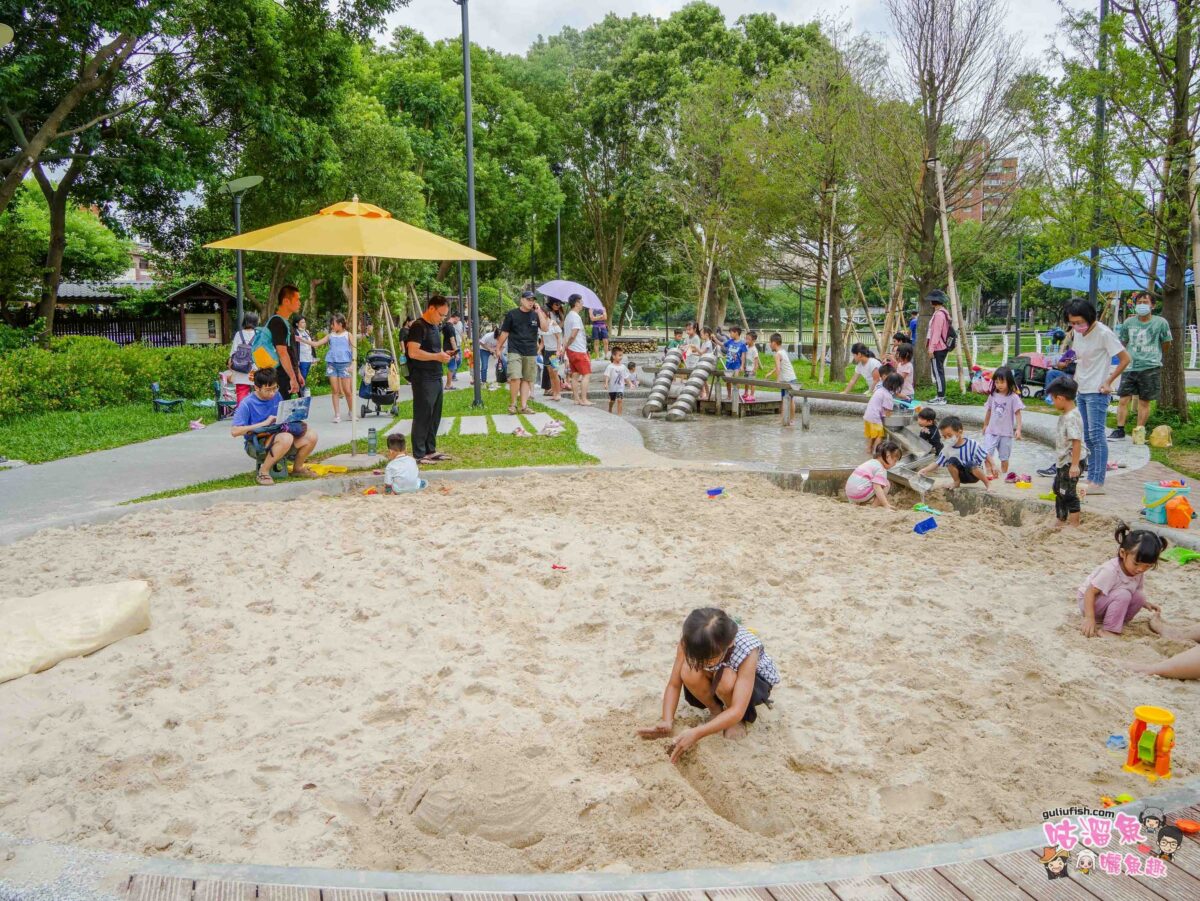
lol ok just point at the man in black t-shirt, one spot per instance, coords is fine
(423, 347)
(283, 338)
(520, 330)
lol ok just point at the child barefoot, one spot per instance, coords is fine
(1001, 420)
(962, 457)
(719, 666)
(870, 482)
(1115, 591)
(784, 372)
(401, 475)
(751, 365)
(1069, 449)
(880, 405)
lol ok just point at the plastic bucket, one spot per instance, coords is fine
(1155, 498)
(925, 526)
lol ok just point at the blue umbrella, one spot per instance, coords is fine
(1121, 269)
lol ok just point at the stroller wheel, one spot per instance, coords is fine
(395, 409)
(362, 411)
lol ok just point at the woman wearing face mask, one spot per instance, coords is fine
(1095, 345)
(1144, 335)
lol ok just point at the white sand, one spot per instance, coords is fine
(423, 692)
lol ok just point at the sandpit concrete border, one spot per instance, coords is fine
(1179, 796)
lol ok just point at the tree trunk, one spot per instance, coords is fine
(56, 199)
(1176, 218)
(837, 335)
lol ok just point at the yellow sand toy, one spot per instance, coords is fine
(1150, 751)
(322, 469)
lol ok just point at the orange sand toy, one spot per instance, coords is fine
(1150, 751)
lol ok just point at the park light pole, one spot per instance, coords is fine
(466, 51)
(237, 188)
(1097, 163)
(557, 170)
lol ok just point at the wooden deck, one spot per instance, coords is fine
(1009, 876)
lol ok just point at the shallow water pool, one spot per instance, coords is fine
(832, 442)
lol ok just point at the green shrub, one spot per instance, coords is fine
(81, 373)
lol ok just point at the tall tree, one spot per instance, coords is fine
(950, 101)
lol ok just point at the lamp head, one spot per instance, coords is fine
(238, 185)
(6, 35)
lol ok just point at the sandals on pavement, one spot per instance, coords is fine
(263, 479)
(520, 432)
(512, 409)
(440, 457)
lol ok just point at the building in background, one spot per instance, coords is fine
(990, 193)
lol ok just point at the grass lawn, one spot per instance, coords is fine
(51, 436)
(493, 451)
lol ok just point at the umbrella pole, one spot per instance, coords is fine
(354, 353)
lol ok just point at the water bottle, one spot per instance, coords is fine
(1139, 434)
(372, 441)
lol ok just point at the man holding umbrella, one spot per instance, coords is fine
(522, 324)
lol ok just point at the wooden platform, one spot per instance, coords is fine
(1009, 876)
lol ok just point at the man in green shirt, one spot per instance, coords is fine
(1143, 335)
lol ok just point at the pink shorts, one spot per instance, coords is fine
(580, 362)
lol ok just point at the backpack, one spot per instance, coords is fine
(242, 358)
(951, 334)
(265, 355)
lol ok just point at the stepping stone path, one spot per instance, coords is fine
(505, 423)
(473, 425)
(538, 420)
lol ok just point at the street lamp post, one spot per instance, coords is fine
(237, 188)
(1097, 163)
(1020, 280)
(532, 250)
(557, 169)
(466, 51)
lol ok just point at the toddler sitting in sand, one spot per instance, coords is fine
(1114, 591)
(719, 666)
(870, 481)
(401, 475)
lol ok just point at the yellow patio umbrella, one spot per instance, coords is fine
(351, 229)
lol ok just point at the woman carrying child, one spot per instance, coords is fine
(870, 481)
(1115, 591)
(721, 667)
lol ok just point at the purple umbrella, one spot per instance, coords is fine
(561, 290)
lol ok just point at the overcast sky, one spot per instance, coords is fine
(511, 25)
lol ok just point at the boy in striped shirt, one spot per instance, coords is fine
(962, 457)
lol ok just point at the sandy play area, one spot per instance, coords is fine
(417, 689)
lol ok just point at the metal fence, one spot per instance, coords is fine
(121, 330)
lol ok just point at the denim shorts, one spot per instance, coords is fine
(337, 370)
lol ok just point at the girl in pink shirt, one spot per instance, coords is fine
(1114, 592)
(870, 481)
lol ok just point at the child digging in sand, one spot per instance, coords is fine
(1115, 590)
(401, 475)
(870, 481)
(719, 666)
(962, 457)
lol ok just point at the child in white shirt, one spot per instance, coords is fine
(751, 365)
(401, 475)
(615, 375)
(784, 372)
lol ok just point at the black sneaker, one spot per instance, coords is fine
(1116, 434)
(1048, 471)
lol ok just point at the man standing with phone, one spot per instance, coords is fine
(291, 382)
(423, 347)
(522, 324)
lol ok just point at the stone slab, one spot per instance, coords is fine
(505, 424)
(404, 427)
(361, 460)
(537, 420)
(473, 425)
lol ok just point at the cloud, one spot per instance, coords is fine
(512, 25)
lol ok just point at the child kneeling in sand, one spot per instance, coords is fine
(870, 481)
(719, 666)
(1115, 591)
(962, 457)
(401, 475)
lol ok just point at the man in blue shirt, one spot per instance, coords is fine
(912, 329)
(735, 352)
(256, 413)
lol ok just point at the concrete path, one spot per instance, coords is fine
(33, 497)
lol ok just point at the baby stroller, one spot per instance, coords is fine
(375, 386)
(1029, 370)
